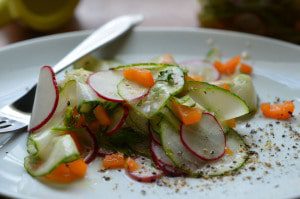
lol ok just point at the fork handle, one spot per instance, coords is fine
(105, 34)
(100, 37)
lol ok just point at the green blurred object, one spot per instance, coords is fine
(274, 18)
(40, 15)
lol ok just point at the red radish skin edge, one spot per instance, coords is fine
(168, 170)
(154, 156)
(121, 122)
(146, 179)
(152, 135)
(103, 152)
(102, 96)
(193, 152)
(94, 151)
(55, 102)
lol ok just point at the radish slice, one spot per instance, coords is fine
(104, 83)
(169, 170)
(162, 161)
(118, 119)
(131, 91)
(146, 172)
(153, 135)
(198, 67)
(159, 154)
(46, 99)
(94, 150)
(103, 152)
(204, 139)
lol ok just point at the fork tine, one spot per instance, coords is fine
(5, 126)
(9, 125)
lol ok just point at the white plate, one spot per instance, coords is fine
(277, 73)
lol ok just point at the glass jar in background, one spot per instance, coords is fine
(274, 18)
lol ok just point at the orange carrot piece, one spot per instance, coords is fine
(140, 76)
(131, 165)
(280, 111)
(219, 66)
(245, 68)
(78, 168)
(225, 86)
(231, 123)
(102, 116)
(69, 172)
(94, 125)
(231, 65)
(114, 161)
(188, 115)
(228, 151)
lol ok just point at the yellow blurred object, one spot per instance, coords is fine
(40, 15)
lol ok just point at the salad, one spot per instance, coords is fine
(154, 119)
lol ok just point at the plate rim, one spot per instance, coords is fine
(197, 30)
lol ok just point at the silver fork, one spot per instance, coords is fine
(13, 119)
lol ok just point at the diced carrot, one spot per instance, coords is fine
(229, 67)
(131, 165)
(198, 78)
(94, 125)
(281, 111)
(140, 76)
(188, 115)
(231, 64)
(228, 151)
(69, 172)
(231, 123)
(225, 86)
(114, 161)
(76, 140)
(219, 66)
(78, 168)
(102, 116)
(245, 68)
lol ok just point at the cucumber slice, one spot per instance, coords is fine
(185, 101)
(192, 165)
(168, 115)
(175, 150)
(155, 124)
(243, 87)
(41, 143)
(63, 150)
(153, 102)
(148, 66)
(229, 164)
(169, 81)
(223, 103)
(138, 121)
(172, 78)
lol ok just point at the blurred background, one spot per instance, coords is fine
(25, 19)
